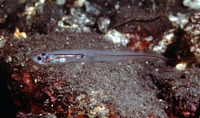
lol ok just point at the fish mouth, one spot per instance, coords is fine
(35, 58)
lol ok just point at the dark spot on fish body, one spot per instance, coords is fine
(43, 54)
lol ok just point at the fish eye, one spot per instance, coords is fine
(39, 58)
(43, 54)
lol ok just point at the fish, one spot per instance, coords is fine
(85, 55)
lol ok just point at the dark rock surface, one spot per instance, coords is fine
(91, 89)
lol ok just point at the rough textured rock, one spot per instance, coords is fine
(132, 88)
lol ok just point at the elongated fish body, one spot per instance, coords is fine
(67, 56)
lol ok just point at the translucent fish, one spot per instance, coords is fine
(68, 56)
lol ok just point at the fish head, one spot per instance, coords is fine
(43, 59)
